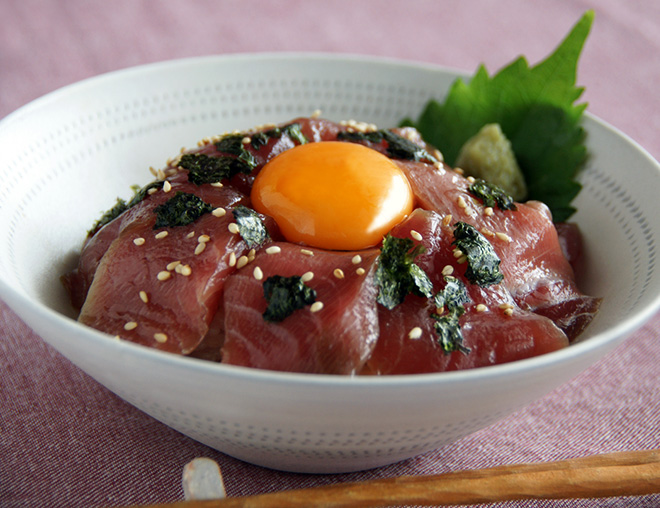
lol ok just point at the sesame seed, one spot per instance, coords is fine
(316, 113)
(488, 211)
(505, 306)
(190, 235)
(173, 265)
(339, 273)
(460, 171)
(257, 273)
(316, 306)
(447, 270)
(162, 234)
(217, 184)
(457, 253)
(481, 307)
(242, 261)
(470, 179)
(246, 140)
(306, 252)
(151, 191)
(164, 275)
(143, 296)
(461, 260)
(508, 312)
(415, 235)
(461, 202)
(219, 212)
(438, 165)
(503, 236)
(307, 276)
(203, 238)
(167, 186)
(415, 333)
(160, 337)
(232, 259)
(131, 325)
(357, 259)
(186, 270)
(360, 271)
(139, 241)
(273, 249)
(200, 248)
(487, 231)
(446, 220)
(251, 255)
(233, 228)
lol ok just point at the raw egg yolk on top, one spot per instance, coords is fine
(333, 195)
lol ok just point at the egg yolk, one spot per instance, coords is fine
(333, 195)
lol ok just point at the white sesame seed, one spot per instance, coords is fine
(457, 253)
(233, 228)
(217, 184)
(162, 234)
(415, 333)
(131, 325)
(461, 202)
(447, 270)
(232, 259)
(357, 259)
(509, 311)
(306, 252)
(200, 248)
(246, 140)
(251, 255)
(505, 306)
(316, 306)
(190, 235)
(173, 265)
(273, 249)
(415, 235)
(164, 275)
(186, 270)
(139, 241)
(460, 171)
(481, 307)
(219, 212)
(503, 236)
(160, 337)
(470, 179)
(144, 297)
(257, 273)
(203, 238)
(487, 231)
(307, 276)
(151, 191)
(360, 271)
(488, 211)
(167, 186)
(242, 261)
(461, 260)
(338, 272)
(446, 220)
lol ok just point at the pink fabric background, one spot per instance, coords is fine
(67, 441)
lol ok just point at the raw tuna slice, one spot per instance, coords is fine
(161, 287)
(337, 339)
(494, 329)
(537, 273)
(99, 240)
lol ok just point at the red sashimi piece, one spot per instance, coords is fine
(79, 280)
(491, 337)
(161, 288)
(537, 273)
(337, 339)
(494, 328)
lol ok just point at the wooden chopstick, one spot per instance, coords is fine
(608, 475)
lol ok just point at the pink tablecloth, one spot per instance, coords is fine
(67, 441)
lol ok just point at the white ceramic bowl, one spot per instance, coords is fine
(67, 156)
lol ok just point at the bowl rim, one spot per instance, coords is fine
(19, 302)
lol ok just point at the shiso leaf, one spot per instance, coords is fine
(537, 111)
